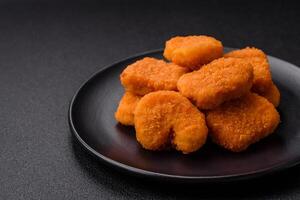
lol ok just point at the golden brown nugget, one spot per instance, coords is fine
(125, 111)
(239, 123)
(150, 74)
(261, 69)
(272, 95)
(193, 51)
(219, 81)
(248, 52)
(165, 117)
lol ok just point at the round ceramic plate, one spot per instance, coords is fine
(91, 118)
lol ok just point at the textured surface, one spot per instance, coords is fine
(165, 118)
(221, 80)
(125, 111)
(150, 74)
(193, 51)
(47, 49)
(241, 122)
(262, 79)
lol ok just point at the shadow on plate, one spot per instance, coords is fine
(119, 181)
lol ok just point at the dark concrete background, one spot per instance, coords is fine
(48, 48)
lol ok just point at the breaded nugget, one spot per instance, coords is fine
(272, 95)
(261, 69)
(125, 111)
(193, 51)
(219, 81)
(248, 52)
(150, 74)
(239, 123)
(165, 117)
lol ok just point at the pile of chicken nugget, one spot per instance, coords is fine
(199, 93)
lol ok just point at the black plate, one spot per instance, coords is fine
(91, 117)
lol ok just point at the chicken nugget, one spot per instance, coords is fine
(248, 52)
(241, 122)
(219, 81)
(166, 117)
(272, 95)
(125, 111)
(193, 51)
(150, 74)
(261, 68)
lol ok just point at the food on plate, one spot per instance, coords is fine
(272, 94)
(150, 74)
(125, 111)
(193, 51)
(165, 118)
(163, 100)
(239, 123)
(221, 80)
(261, 69)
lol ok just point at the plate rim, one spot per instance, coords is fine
(142, 172)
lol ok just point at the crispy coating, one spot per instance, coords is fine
(248, 52)
(150, 74)
(125, 111)
(261, 69)
(239, 123)
(219, 81)
(166, 117)
(272, 95)
(193, 51)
